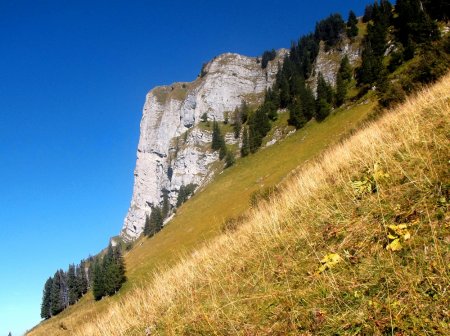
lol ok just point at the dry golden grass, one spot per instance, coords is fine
(264, 278)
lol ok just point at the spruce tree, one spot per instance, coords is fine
(98, 280)
(166, 205)
(82, 279)
(308, 102)
(216, 136)
(72, 285)
(119, 270)
(324, 98)
(283, 85)
(218, 142)
(259, 126)
(46, 311)
(58, 297)
(296, 117)
(237, 124)
(154, 222)
(352, 28)
(343, 78)
(413, 26)
(245, 150)
(229, 159)
(245, 110)
(330, 29)
(109, 272)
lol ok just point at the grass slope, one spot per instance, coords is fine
(200, 219)
(357, 242)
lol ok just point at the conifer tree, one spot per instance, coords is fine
(72, 285)
(413, 26)
(98, 281)
(437, 9)
(218, 142)
(154, 222)
(119, 275)
(308, 102)
(166, 205)
(229, 159)
(296, 117)
(59, 299)
(324, 98)
(46, 311)
(352, 28)
(245, 110)
(82, 279)
(330, 29)
(259, 126)
(237, 124)
(343, 78)
(245, 150)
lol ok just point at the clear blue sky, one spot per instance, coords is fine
(73, 78)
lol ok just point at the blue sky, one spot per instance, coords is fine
(73, 78)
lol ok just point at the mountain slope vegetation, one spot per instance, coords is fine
(354, 243)
(389, 189)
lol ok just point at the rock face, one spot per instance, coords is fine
(328, 62)
(173, 149)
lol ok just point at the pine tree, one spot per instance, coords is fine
(229, 159)
(245, 150)
(324, 90)
(59, 297)
(245, 110)
(98, 280)
(352, 28)
(154, 222)
(324, 98)
(413, 26)
(46, 299)
(437, 9)
(374, 46)
(323, 109)
(308, 102)
(259, 126)
(296, 117)
(367, 13)
(343, 78)
(216, 136)
(283, 84)
(330, 29)
(218, 142)
(82, 279)
(72, 285)
(166, 205)
(237, 124)
(119, 275)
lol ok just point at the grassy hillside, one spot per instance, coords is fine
(356, 242)
(200, 219)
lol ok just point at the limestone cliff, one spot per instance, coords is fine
(173, 150)
(328, 61)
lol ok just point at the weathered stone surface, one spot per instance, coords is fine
(170, 139)
(327, 62)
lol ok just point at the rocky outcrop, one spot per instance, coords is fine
(328, 61)
(173, 150)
